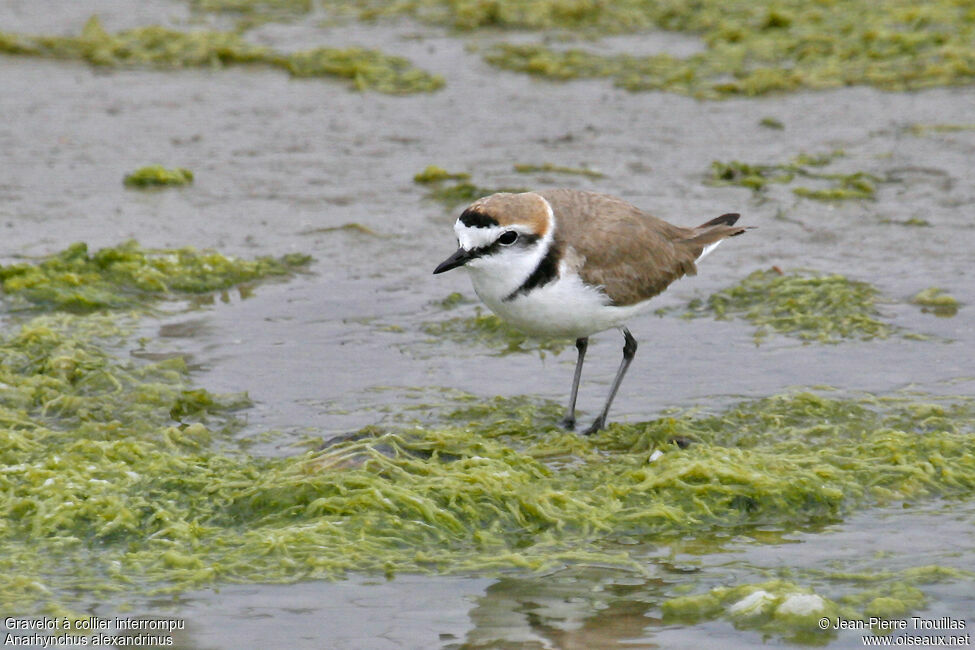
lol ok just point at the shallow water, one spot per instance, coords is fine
(584, 607)
(278, 162)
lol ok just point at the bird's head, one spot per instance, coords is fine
(506, 233)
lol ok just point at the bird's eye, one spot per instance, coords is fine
(508, 238)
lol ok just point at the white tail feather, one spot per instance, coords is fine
(708, 249)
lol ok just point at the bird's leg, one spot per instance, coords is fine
(569, 421)
(629, 350)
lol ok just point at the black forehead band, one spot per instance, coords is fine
(474, 219)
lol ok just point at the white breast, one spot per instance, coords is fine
(563, 308)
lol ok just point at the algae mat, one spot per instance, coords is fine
(121, 477)
(159, 47)
(750, 48)
(753, 48)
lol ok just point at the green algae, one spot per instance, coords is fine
(124, 477)
(757, 177)
(912, 222)
(252, 13)
(558, 65)
(858, 185)
(771, 123)
(558, 169)
(435, 174)
(157, 175)
(127, 276)
(352, 227)
(777, 608)
(453, 299)
(936, 301)
(784, 609)
(59, 371)
(457, 193)
(488, 330)
(143, 46)
(752, 48)
(926, 129)
(454, 188)
(287, 7)
(810, 306)
(366, 69)
(79, 427)
(159, 47)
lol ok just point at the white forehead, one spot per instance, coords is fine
(470, 237)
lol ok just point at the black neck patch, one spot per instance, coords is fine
(474, 219)
(546, 271)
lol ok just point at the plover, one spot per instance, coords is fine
(567, 264)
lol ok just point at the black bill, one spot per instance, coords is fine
(459, 258)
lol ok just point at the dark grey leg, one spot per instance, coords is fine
(569, 421)
(629, 351)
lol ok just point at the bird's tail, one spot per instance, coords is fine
(729, 219)
(708, 235)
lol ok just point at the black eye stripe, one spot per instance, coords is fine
(491, 249)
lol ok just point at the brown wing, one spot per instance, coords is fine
(631, 254)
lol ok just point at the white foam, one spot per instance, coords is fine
(752, 604)
(801, 605)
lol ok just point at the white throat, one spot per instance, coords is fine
(497, 277)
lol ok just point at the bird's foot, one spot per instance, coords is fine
(568, 423)
(598, 425)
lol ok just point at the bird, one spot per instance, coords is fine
(567, 263)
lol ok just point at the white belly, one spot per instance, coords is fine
(564, 308)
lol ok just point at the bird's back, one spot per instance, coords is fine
(630, 253)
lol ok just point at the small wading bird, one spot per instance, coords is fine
(568, 264)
